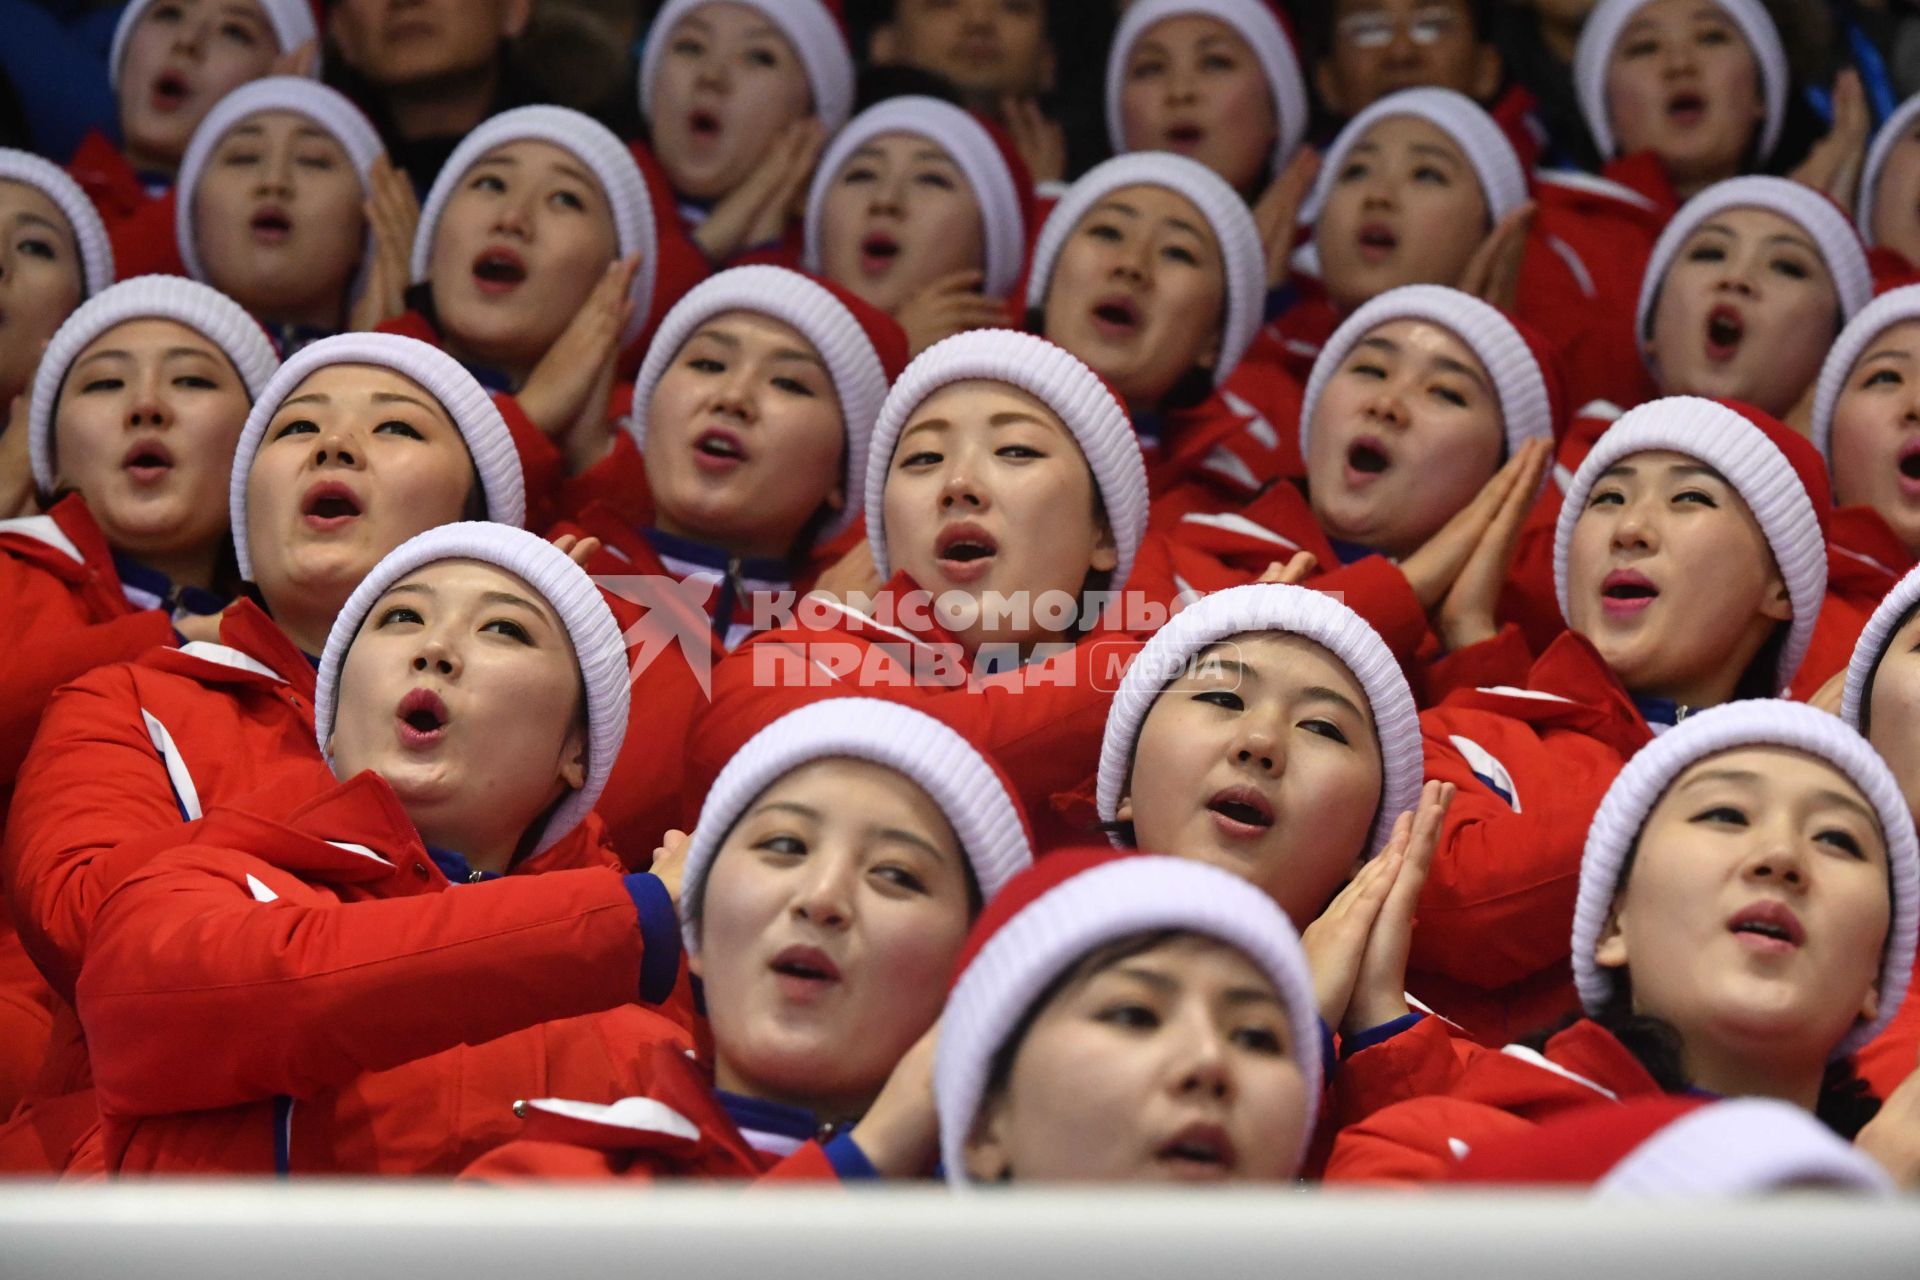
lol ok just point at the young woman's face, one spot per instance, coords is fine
(356, 460)
(1671, 578)
(1194, 87)
(745, 438)
(462, 691)
(182, 57)
(1405, 207)
(145, 429)
(1682, 83)
(1405, 433)
(1139, 292)
(525, 237)
(41, 280)
(277, 218)
(832, 916)
(1893, 710)
(899, 215)
(1875, 443)
(1746, 312)
(1261, 758)
(1896, 201)
(1171, 1065)
(728, 84)
(988, 495)
(1757, 906)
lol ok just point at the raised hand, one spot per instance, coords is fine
(1380, 991)
(1832, 166)
(1277, 212)
(393, 216)
(670, 861)
(1336, 942)
(578, 549)
(301, 60)
(850, 578)
(1432, 570)
(567, 393)
(757, 210)
(900, 1132)
(1293, 571)
(946, 306)
(1492, 274)
(1041, 142)
(1466, 615)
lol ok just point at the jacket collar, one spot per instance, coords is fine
(1571, 687)
(252, 650)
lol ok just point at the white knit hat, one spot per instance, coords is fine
(207, 312)
(1761, 722)
(291, 20)
(1872, 646)
(1742, 1147)
(1602, 31)
(1753, 462)
(598, 648)
(971, 146)
(1838, 243)
(1271, 607)
(859, 378)
(1526, 408)
(1258, 25)
(1893, 307)
(1072, 903)
(1503, 180)
(977, 802)
(474, 415)
(595, 145)
(1055, 377)
(1241, 254)
(808, 25)
(1897, 126)
(328, 108)
(89, 232)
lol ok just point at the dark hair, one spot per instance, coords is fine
(1873, 672)
(1315, 23)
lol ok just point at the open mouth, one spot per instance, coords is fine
(147, 462)
(271, 223)
(170, 90)
(1242, 811)
(1726, 327)
(1378, 240)
(1625, 591)
(330, 505)
(1910, 466)
(805, 970)
(1772, 925)
(965, 544)
(498, 270)
(423, 718)
(1117, 316)
(1367, 457)
(703, 125)
(719, 450)
(1202, 1150)
(1687, 108)
(877, 252)
(1185, 136)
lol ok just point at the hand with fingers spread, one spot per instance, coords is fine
(1041, 142)
(567, 393)
(757, 211)
(1432, 570)
(393, 216)
(1467, 614)
(1492, 274)
(1833, 165)
(1293, 571)
(1380, 991)
(946, 306)
(1277, 212)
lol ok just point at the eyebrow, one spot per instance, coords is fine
(1750, 778)
(901, 835)
(790, 806)
(1627, 470)
(1437, 151)
(171, 353)
(1388, 345)
(1887, 353)
(508, 597)
(1450, 365)
(929, 154)
(400, 397)
(1251, 995)
(1324, 693)
(28, 217)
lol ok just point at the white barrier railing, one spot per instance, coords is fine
(356, 1231)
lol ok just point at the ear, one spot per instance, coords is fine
(1779, 605)
(1106, 554)
(1327, 81)
(1610, 952)
(1486, 72)
(514, 17)
(573, 758)
(1125, 812)
(836, 499)
(1210, 358)
(883, 46)
(1870, 1007)
(694, 966)
(987, 1158)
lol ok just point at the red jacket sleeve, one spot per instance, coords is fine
(194, 995)
(1498, 904)
(1415, 1142)
(37, 663)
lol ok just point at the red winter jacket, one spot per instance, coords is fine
(1892, 1056)
(668, 1125)
(129, 752)
(1531, 764)
(314, 995)
(1431, 1099)
(140, 224)
(1042, 722)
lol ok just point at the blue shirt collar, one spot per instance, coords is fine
(152, 582)
(1664, 712)
(1349, 552)
(762, 1116)
(672, 546)
(456, 868)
